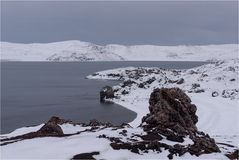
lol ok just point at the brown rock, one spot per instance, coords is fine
(174, 116)
(50, 129)
(233, 155)
(170, 107)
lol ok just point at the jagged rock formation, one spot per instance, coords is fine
(171, 108)
(174, 116)
(49, 129)
(105, 93)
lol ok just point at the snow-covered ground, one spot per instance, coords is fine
(218, 114)
(220, 77)
(213, 88)
(84, 51)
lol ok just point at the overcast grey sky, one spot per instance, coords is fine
(160, 23)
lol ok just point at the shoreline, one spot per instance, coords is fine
(139, 104)
(216, 113)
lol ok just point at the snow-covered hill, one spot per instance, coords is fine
(84, 51)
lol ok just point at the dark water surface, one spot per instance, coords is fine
(32, 92)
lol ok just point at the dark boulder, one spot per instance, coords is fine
(128, 83)
(141, 85)
(204, 75)
(233, 155)
(105, 93)
(172, 81)
(170, 107)
(180, 81)
(202, 144)
(199, 91)
(195, 85)
(215, 94)
(86, 156)
(150, 80)
(51, 129)
(124, 92)
(174, 116)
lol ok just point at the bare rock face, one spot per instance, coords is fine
(106, 92)
(180, 81)
(51, 127)
(171, 108)
(174, 116)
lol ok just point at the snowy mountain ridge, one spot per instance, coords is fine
(85, 51)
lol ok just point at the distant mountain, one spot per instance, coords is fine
(84, 51)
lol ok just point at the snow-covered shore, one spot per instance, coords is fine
(220, 77)
(213, 88)
(85, 51)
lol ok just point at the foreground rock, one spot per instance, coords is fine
(49, 129)
(106, 93)
(172, 115)
(234, 155)
(171, 108)
(86, 156)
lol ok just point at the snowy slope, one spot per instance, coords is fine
(218, 116)
(84, 51)
(220, 77)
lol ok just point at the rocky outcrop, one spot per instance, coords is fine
(171, 108)
(49, 129)
(105, 93)
(233, 155)
(128, 83)
(52, 128)
(174, 116)
(230, 93)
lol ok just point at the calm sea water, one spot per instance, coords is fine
(32, 92)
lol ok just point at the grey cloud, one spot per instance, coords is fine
(161, 23)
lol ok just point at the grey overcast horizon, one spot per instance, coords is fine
(121, 22)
